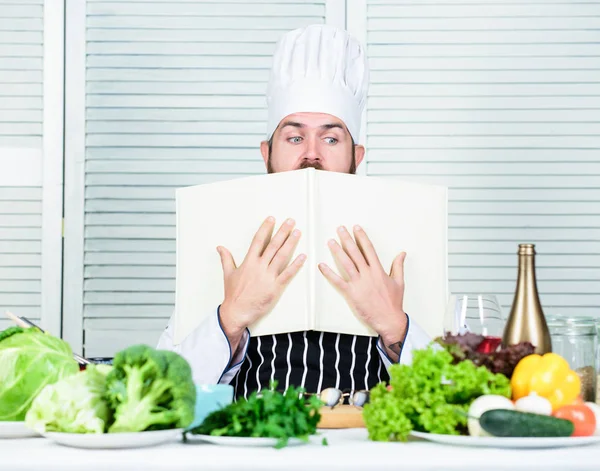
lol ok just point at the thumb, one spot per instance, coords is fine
(397, 271)
(226, 261)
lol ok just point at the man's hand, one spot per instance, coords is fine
(376, 297)
(253, 288)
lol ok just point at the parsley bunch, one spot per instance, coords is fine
(428, 396)
(269, 414)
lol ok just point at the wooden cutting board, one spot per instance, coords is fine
(343, 416)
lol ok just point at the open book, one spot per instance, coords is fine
(396, 215)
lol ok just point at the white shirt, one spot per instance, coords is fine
(209, 354)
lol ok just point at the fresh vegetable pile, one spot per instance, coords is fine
(546, 403)
(144, 389)
(29, 361)
(429, 396)
(461, 389)
(545, 385)
(268, 414)
(40, 383)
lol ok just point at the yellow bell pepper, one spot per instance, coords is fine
(548, 376)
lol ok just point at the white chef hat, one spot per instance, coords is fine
(319, 69)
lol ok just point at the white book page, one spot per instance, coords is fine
(397, 216)
(228, 214)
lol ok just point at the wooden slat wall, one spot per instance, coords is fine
(499, 100)
(21, 107)
(175, 97)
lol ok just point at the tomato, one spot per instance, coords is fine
(582, 417)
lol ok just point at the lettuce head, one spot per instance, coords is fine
(74, 404)
(29, 361)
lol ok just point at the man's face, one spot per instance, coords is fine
(316, 140)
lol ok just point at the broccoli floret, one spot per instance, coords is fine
(150, 390)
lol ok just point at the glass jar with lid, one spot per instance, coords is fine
(576, 340)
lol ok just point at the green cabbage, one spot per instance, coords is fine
(75, 404)
(29, 360)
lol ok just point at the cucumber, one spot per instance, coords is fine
(513, 423)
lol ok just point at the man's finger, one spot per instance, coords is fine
(278, 240)
(350, 247)
(366, 247)
(288, 274)
(226, 261)
(335, 279)
(261, 238)
(283, 256)
(397, 271)
(341, 257)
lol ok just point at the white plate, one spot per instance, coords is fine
(114, 440)
(508, 442)
(248, 441)
(16, 430)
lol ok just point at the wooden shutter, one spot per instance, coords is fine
(31, 51)
(174, 96)
(500, 101)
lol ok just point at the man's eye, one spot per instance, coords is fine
(331, 140)
(295, 140)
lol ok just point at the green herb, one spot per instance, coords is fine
(269, 414)
(426, 395)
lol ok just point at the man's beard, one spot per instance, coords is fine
(312, 163)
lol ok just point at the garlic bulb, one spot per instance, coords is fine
(534, 404)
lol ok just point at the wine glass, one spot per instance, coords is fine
(477, 313)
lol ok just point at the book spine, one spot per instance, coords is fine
(311, 255)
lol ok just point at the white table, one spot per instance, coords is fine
(348, 450)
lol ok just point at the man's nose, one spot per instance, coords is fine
(312, 149)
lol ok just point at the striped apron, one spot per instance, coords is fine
(312, 360)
